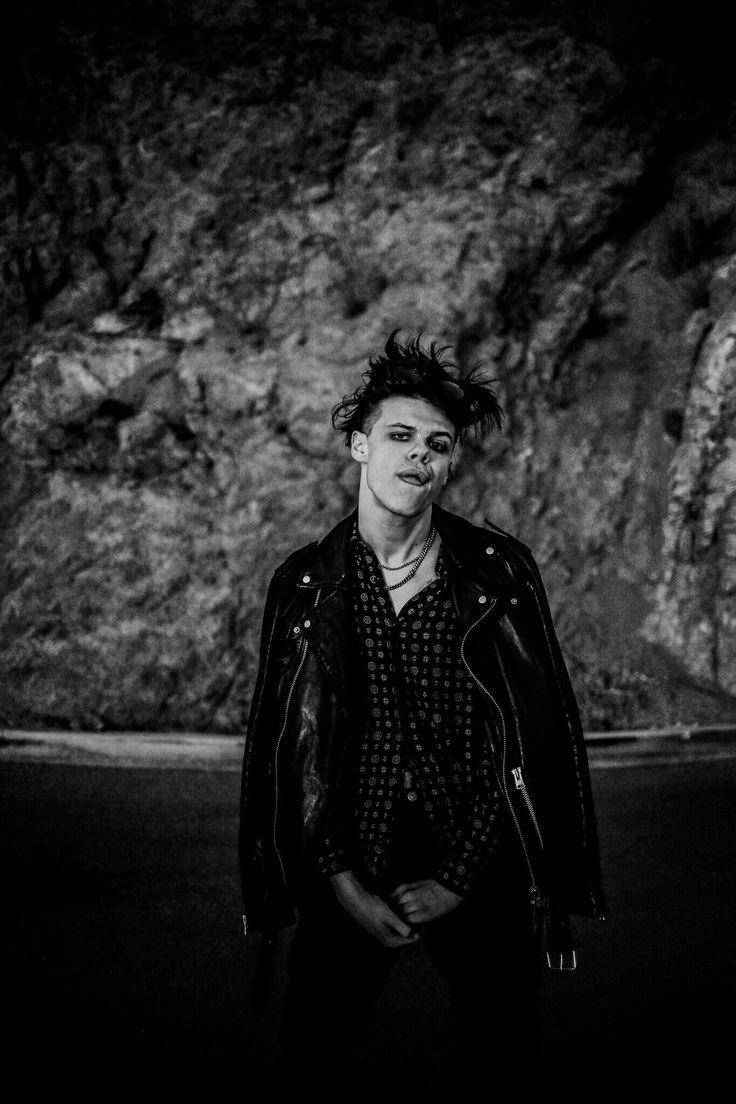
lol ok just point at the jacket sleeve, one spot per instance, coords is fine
(570, 731)
(263, 899)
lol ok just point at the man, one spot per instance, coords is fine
(414, 766)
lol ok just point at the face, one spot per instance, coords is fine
(405, 455)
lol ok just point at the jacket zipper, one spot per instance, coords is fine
(298, 671)
(534, 893)
(303, 646)
(521, 785)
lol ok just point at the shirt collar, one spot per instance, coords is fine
(360, 546)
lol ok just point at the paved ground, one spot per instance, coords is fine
(123, 951)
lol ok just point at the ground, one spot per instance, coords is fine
(125, 959)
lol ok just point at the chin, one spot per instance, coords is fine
(403, 499)
(408, 506)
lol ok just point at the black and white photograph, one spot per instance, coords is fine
(368, 549)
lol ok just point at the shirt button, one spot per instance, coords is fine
(411, 796)
(307, 579)
(513, 601)
(482, 599)
(490, 550)
(308, 623)
(296, 630)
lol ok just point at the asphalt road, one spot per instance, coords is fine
(124, 960)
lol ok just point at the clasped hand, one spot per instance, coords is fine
(425, 900)
(391, 923)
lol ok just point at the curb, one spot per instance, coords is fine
(205, 751)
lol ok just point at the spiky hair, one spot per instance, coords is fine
(468, 399)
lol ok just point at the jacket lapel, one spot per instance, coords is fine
(329, 628)
(476, 579)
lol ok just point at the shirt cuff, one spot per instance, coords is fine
(457, 878)
(460, 872)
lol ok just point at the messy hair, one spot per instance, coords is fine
(410, 370)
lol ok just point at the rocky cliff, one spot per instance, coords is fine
(200, 257)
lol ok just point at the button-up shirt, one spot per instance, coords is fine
(420, 738)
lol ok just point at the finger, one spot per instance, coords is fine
(408, 914)
(405, 900)
(391, 940)
(408, 934)
(407, 887)
(398, 925)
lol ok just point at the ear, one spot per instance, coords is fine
(359, 446)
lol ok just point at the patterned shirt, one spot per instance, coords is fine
(420, 728)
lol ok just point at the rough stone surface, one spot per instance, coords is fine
(192, 287)
(694, 612)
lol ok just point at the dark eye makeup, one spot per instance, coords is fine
(438, 446)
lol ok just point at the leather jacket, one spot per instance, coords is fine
(302, 718)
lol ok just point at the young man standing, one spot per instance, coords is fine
(414, 765)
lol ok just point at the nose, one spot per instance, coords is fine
(418, 450)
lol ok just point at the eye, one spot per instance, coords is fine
(399, 436)
(440, 446)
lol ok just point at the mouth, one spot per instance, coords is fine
(416, 478)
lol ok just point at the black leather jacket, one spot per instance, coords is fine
(302, 717)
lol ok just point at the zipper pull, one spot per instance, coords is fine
(535, 898)
(518, 780)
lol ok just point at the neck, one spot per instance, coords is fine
(393, 537)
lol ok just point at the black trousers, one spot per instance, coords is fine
(487, 950)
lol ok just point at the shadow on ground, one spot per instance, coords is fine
(124, 958)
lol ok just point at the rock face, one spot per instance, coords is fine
(192, 286)
(694, 612)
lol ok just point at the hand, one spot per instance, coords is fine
(426, 900)
(371, 912)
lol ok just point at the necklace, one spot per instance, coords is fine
(419, 558)
(387, 568)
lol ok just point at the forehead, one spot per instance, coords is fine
(419, 413)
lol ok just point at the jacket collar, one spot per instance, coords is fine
(466, 547)
(332, 553)
(476, 578)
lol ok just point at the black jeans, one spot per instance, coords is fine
(487, 950)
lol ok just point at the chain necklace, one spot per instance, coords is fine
(400, 566)
(419, 558)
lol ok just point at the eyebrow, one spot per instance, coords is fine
(434, 432)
